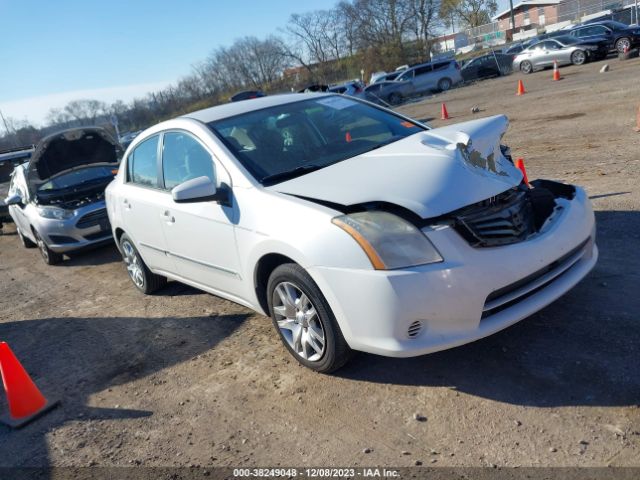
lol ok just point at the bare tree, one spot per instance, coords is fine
(470, 13)
(85, 111)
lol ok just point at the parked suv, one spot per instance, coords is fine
(352, 226)
(432, 76)
(57, 199)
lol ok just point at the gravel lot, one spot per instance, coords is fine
(185, 378)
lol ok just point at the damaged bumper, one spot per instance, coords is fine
(474, 293)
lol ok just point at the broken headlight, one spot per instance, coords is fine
(388, 240)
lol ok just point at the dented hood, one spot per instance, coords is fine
(430, 173)
(69, 150)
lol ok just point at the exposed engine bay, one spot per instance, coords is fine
(511, 217)
(70, 199)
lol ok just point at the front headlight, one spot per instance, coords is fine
(55, 213)
(388, 240)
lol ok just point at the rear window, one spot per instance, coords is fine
(308, 134)
(441, 65)
(142, 164)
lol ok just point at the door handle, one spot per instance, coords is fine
(168, 217)
(126, 203)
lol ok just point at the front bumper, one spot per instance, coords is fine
(88, 227)
(378, 310)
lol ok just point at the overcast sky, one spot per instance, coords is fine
(54, 51)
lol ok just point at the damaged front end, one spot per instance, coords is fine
(510, 217)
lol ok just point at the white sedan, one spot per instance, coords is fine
(353, 227)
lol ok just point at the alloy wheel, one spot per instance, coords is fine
(579, 57)
(134, 267)
(298, 321)
(44, 251)
(623, 44)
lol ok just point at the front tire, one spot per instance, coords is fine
(49, 256)
(144, 279)
(26, 243)
(578, 57)
(304, 320)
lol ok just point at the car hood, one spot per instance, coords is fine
(430, 173)
(70, 150)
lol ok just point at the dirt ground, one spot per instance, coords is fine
(184, 378)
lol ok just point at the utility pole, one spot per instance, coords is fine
(513, 18)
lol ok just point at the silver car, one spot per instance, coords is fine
(57, 199)
(564, 50)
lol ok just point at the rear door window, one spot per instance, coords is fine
(423, 70)
(142, 163)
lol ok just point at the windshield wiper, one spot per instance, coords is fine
(296, 172)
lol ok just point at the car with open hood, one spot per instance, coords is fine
(352, 226)
(57, 198)
(9, 160)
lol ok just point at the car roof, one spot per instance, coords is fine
(232, 109)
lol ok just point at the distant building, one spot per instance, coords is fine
(529, 14)
(450, 43)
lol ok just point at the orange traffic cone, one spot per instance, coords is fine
(521, 90)
(444, 115)
(520, 166)
(25, 400)
(556, 71)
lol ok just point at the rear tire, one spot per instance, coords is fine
(444, 84)
(26, 243)
(395, 98)
(303, 319)
(144, 279)
(579, 57)
(526, 67)
(49, 256)
(621, 43)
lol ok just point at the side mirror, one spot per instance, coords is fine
(14, 199)
(200, 189)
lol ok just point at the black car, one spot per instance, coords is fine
(487, 66)
(9, 159)
(619, 35)
(247, 95)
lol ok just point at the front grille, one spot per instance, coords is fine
(91, 219)
(505, 297)
(501, 220)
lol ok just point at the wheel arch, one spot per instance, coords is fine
(262, 271)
